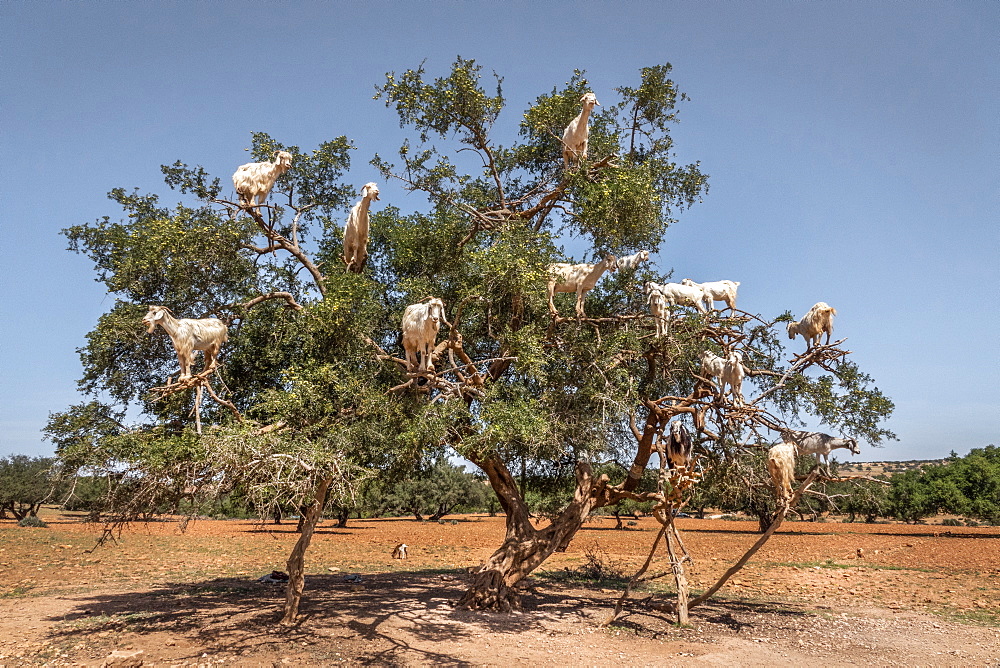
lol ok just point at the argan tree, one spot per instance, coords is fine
(312, 395)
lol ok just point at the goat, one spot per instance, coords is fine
(356, 230)
(254, 180)
(633, 261)
(712, 366)
(660, 311)
(399, 552)
(729, 371)
(421, 323)
(717, 291)
(781, 466)
(675, 293)
(820, 445)
(577, 133)
(578, 278)
(813, 324)
(678, 447)
(732, 375)
(189, 335)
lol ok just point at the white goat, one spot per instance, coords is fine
(660, 311)
(577, 133)
(732, 375)
(820, 445)
(421, 323)
(813, 324)
(634, 260)
(356, 230)
(717, 291)
(189, 335)
(729, 371)
(675, 293)
(254, 180)
(781, 466)
(712, 366)
(578, 278)
(678, 447)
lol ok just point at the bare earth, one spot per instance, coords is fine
(918, 595)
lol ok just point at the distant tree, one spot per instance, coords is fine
(968, 486)
(25, 484)
(435, 491)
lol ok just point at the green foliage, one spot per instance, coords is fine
(864, 498)
(25, 483)
(968, 486)
(32, 521)
(435, 490)
(317, 389)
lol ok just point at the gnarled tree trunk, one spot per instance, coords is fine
(525, 548)
(296, 560)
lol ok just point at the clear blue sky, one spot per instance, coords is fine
(852, 148)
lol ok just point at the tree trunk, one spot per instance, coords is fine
(680, 580)
(441, 512)
(296, 560)
(342, 517)
(525, 548)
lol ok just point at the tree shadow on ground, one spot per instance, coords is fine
(379, 620)
(392, 618)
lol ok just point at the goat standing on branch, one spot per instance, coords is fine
(356, 230)
(717, 291)
(633, 261)
(660, 311)
(676, 293)
(733, 374)
(577, 133)
(421, 323)
(254, 180)
(813, 324)
(729, 370)
(578, 278)
(820, 445)
(189, 335)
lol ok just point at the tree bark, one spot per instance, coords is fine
(342, 517)
(296, 560)
(524, 547)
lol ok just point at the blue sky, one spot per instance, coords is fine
(852, 148)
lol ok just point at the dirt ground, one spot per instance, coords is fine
(916, 595)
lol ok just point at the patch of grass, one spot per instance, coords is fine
(19, 591)
(977, 617)
(32, 521)
(832, 564)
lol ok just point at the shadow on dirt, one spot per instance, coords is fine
(385, 619)
(378, 620)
